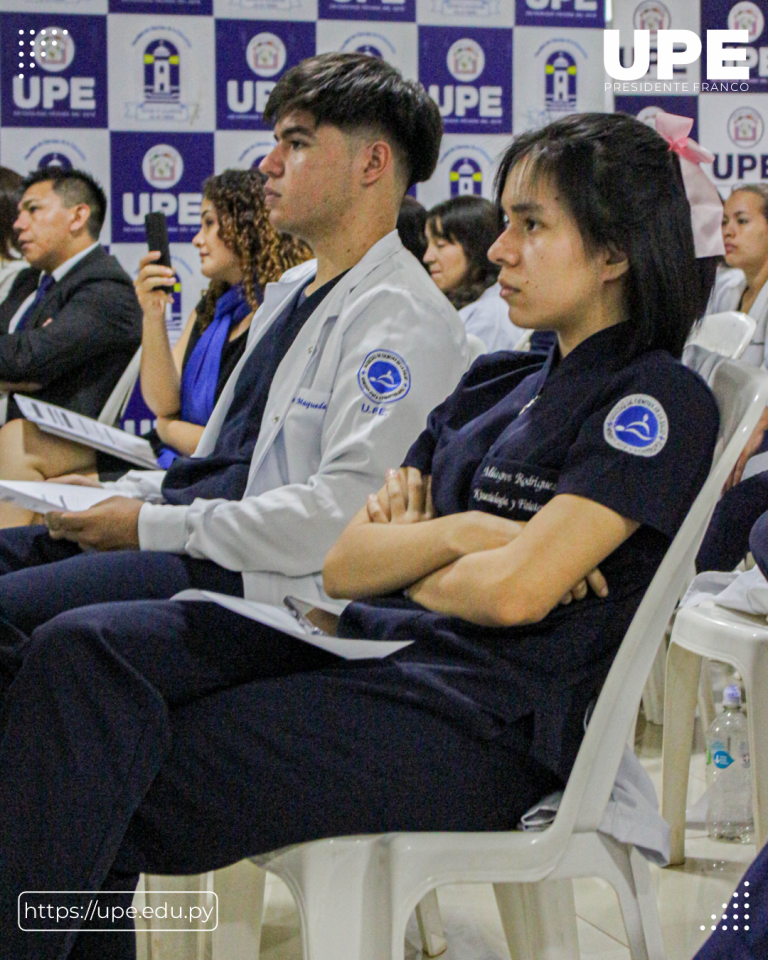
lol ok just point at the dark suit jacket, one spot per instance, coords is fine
(94, 331)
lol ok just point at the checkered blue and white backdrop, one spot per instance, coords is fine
(151, 96)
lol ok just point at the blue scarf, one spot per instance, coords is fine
(200, 376)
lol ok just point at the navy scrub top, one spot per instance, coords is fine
(637, 436)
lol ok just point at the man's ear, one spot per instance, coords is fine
(379, 159)
(616, 263)
(80, 213)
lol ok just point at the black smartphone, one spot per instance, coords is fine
(156, 227)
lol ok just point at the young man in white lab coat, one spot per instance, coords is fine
(345, 358)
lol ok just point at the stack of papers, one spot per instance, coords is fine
(85, 430)
(51, 497)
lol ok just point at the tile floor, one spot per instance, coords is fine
(687, 896)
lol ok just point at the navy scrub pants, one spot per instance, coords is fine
(726, 541)
(41, 577)
(177, 737)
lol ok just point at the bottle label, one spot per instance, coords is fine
(722, 759)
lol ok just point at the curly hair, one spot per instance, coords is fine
(244, 227)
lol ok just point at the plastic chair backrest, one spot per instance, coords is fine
(726, 333)
(741, 393)
(119, 397)
(523, 345)
(476, 347)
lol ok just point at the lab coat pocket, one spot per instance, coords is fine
(302, 430)
(512, 488)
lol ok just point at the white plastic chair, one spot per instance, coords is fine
(741, 640)
(727, 333)
(355, 894)
(476, 347)
(119, 397)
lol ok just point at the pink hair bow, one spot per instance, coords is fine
(705, 202)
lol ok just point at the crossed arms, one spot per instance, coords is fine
(473, 565)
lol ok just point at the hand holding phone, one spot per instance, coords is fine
(155, 281)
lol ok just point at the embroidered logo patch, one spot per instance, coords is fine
(638, 425)
(384, 376)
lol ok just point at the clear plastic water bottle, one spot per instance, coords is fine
(729, 778)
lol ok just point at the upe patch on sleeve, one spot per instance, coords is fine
(638, 425)
(384, 376)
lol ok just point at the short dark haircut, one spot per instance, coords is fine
(623, 187)
(354, 91)
(475, 223)
(10, 194)
(74, 186)
(410, 226)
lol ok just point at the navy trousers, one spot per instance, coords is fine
(742, 931)
(726, 541)
(41, 577)
(177, 737)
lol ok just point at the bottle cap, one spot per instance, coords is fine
(732, 696)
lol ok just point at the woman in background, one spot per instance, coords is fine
(745, 288)
(239, 253)
(11, 260)
(460, 232)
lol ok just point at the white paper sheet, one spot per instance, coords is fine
(89, 432)
(281, 619)
(43, 497)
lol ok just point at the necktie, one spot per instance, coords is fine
(45, 285)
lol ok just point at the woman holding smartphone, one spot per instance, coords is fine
(239, 254)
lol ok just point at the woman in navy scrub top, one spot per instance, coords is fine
(513, 546)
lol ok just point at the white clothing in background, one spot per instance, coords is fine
(325, 441)
(729, 286)
(488, 319)
(8, 271)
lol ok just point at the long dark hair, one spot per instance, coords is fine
(475, 223)
(624, 189)
(10, 194)
(264, 254)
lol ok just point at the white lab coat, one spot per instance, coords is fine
(488, 319)
(730, 284)
(324, 444)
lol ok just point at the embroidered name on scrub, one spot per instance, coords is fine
(514, 493)
(384, 378)
(637, 424)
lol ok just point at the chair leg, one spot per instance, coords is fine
(627, 872)
(681, 688)
(240, 891)
(757, 713)
(142, 936)
(539, 919)
(430, 925)
(176, 944)
(707, 711)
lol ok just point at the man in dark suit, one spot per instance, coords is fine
(71, 322)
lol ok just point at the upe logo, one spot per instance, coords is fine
(54, 49)
(679, 48)
(638, 425)
(54, 159)
(560, 86)
(266, 54)
(384, 376)
(652, 16)
(161, 73)
(466, 60)
(370, 50)
(747, 16)
(745, 127)
(162, 166)
(466, 177)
